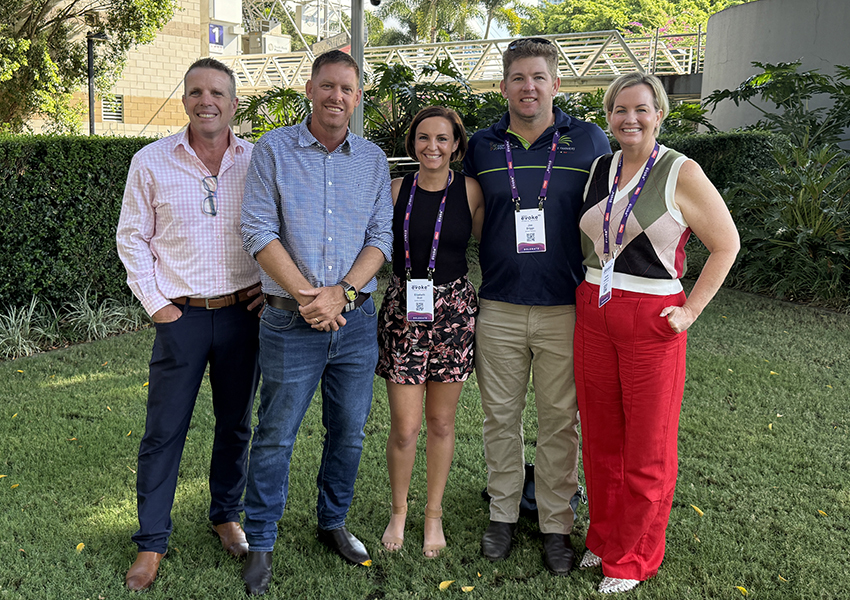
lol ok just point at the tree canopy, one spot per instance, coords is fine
(624, 15)
(43, 52)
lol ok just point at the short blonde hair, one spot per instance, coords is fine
(628, 80)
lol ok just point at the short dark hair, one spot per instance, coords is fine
(458, 131)
(531, 48)
(334, 57)
(211, 63)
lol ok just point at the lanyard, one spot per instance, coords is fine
(546, 176)
(437, 227)
(619, 241)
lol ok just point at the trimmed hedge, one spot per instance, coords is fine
(60, 197)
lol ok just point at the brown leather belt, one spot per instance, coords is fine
(217, 302)
(290, 304)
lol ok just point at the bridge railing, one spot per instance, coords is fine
(596, 56)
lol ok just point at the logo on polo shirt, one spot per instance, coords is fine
(565, 144)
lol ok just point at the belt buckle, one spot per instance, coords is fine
(207, 303)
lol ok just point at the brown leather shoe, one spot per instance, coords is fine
(232, 538)
(143, 572)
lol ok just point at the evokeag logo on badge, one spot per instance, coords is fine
(530, 217)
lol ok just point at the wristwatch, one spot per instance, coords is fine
(349, 291)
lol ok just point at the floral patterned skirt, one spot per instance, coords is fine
(442, 350)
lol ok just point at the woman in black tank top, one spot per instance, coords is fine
(427, 341)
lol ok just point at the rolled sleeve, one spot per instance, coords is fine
(260, 214)
(379, 232)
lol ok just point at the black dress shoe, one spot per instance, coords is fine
(343, 542)
(558, 553)
(257, 573)
(497, 540)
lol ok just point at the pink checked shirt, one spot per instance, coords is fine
(168, 245)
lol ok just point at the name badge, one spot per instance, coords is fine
(606, 284)
(530, 231)
(420, 300)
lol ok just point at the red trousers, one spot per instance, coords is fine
(630, 377)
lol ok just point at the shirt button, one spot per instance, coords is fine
(330, 183)
(330, 239)
(330, 267)
(330, 211)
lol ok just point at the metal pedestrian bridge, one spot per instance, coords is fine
(587, 60)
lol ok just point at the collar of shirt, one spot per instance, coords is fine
(306, 138)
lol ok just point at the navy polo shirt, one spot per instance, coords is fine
(544, 278)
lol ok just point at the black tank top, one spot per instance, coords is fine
(454, 236)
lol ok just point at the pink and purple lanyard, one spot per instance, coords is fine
(432, 262)
(606, 222)
(546, 176)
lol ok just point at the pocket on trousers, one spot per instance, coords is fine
(278, 319)
(368, 308)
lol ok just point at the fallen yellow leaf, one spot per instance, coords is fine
(80, 547)
(699, 512)
(104, 364)
(778, 415)
(770, 425)
(445, 584)
(2, 476)
(829, 386)
(107, 408)
(71, 439)
(722, 317)
(479, 573)
(774, 373)
(367, 563)
(730, 370)
(467, 588)
(823, 513)
(743, 590)
(14, 485)
(781, 578)
(129, 432)
(19, 371)
(697, 539)
(145, 384)
(14, 415)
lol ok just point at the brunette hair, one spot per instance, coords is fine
(531, 48)
(458, 131)
(334, 57)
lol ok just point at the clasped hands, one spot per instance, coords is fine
(324, 311)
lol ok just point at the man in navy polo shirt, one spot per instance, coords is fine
(532, 166)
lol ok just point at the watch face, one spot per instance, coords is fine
(351, 295)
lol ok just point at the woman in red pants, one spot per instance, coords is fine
(641, 205)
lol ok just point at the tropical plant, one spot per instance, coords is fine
(794, 222)
(278, 107)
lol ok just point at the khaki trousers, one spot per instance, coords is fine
(511, 342)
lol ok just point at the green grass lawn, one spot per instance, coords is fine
(763, 450)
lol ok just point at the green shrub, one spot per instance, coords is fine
(60, 198)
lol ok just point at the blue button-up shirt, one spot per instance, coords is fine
(324, 207)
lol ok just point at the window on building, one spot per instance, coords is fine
(113, 108)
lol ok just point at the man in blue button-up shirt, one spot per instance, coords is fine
(317, 216)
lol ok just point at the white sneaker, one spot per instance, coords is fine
(612, 585)
(589, 561)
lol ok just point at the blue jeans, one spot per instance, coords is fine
(294, 358)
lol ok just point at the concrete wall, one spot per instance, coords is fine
(771, 31)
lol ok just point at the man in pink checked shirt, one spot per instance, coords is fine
(180, 241)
